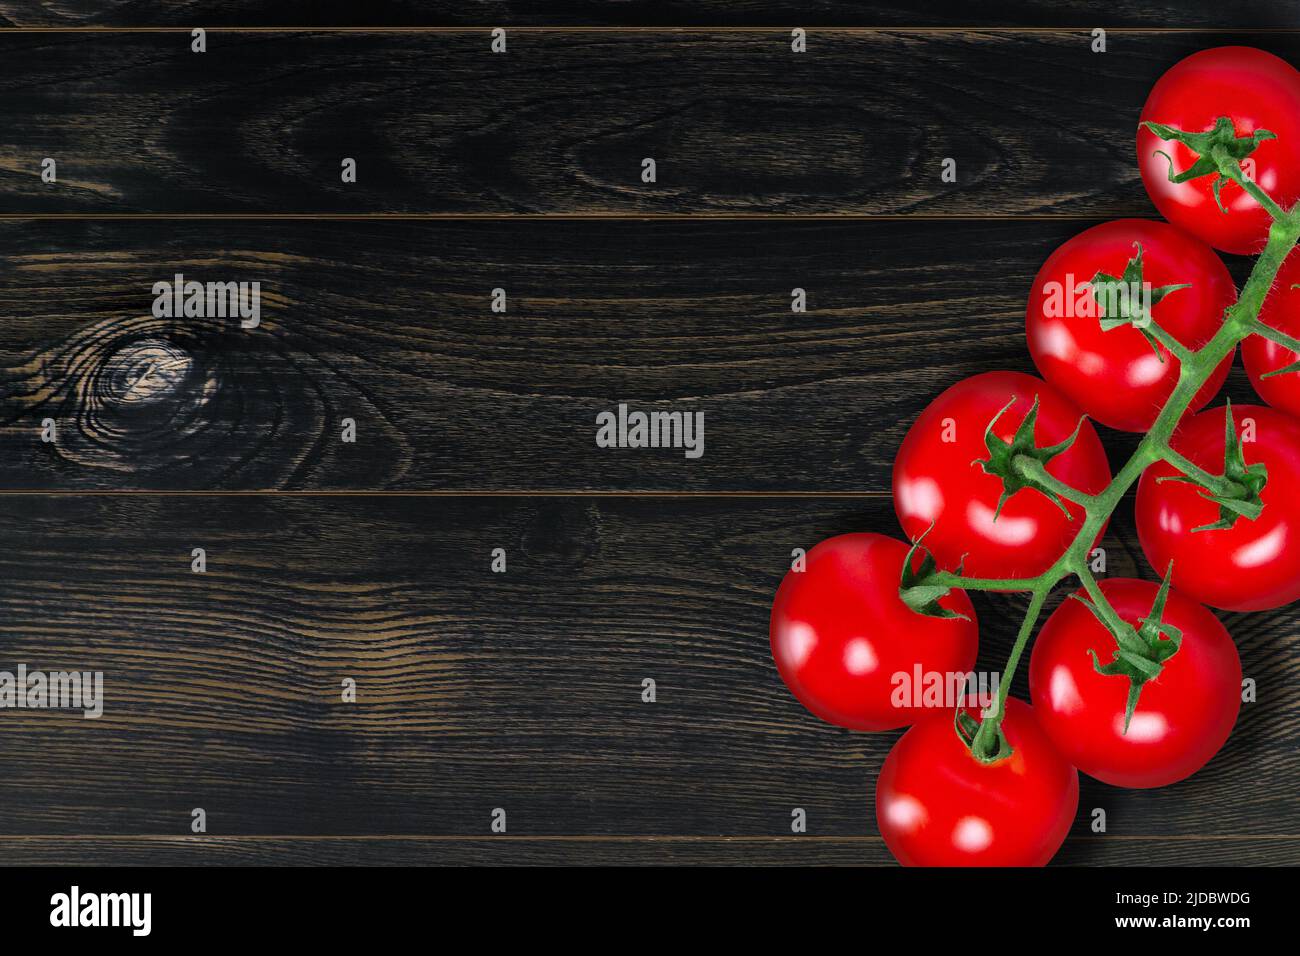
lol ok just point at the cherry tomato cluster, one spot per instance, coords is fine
(1135, 683)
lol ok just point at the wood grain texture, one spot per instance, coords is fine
(1151, 13)
(860, 125)
(481, 690)
(495, 851)
(390, 324)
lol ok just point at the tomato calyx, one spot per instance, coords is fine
(1020, 463)
(1122, 302)
(919, 589)
(1141, 651)
(1245, 481)
(1219, 151)
(985, 741)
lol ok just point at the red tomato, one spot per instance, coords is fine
(840, 633)
(1254, 565)
(937, 480)
(1182, 717)
(936, 805)
(1255, 90)
(1115, 375)
(1281, 310)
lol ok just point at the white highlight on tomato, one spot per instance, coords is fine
(920, 498)
(800, 640)
(1168, 520)
(1006, 530)
(1146, 371)
(906, 813)
(1063, 692)
(860, 657)
(972, 834)
(1144, 728)
(1261, 551)
(1055, 341)
(1089, 363)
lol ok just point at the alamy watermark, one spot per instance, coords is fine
(635, 429)
(182, 298)
(76, 909)
(25, 689)
(947, 689)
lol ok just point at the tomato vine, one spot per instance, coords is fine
(1222, 156)
(1002, 484)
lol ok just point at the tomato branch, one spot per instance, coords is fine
(955, 579)
(989, 744)
(1240, 321)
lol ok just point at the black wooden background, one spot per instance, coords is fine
(475, 430)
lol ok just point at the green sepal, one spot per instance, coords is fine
(1293, 367)
(1223, 139)
(1143, 650)
(1119, 291)
(1002, 457)
(916, 588)
(1285, 370)
(1252, 479)
(967, 727)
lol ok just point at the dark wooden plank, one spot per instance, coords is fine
(1153, 13)
(479, 690)
(390, 324)
(708, 851)
(737, 123)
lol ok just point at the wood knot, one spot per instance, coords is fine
(148, 401)
(144, 372)
(133, 396)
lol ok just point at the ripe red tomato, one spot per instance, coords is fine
(936, 805)
(938, 482)
(1252, 566)
(1281, 310)
(1255, 90)
(840, 632)
(1115, 375)
(1182, 717)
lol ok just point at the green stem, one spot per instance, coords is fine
(1219, 485)
(1030, 467)
(1175, 348)
(952, 579)
(1232, 170)
(1108, 613)
(985, 741)
(1274, 335)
